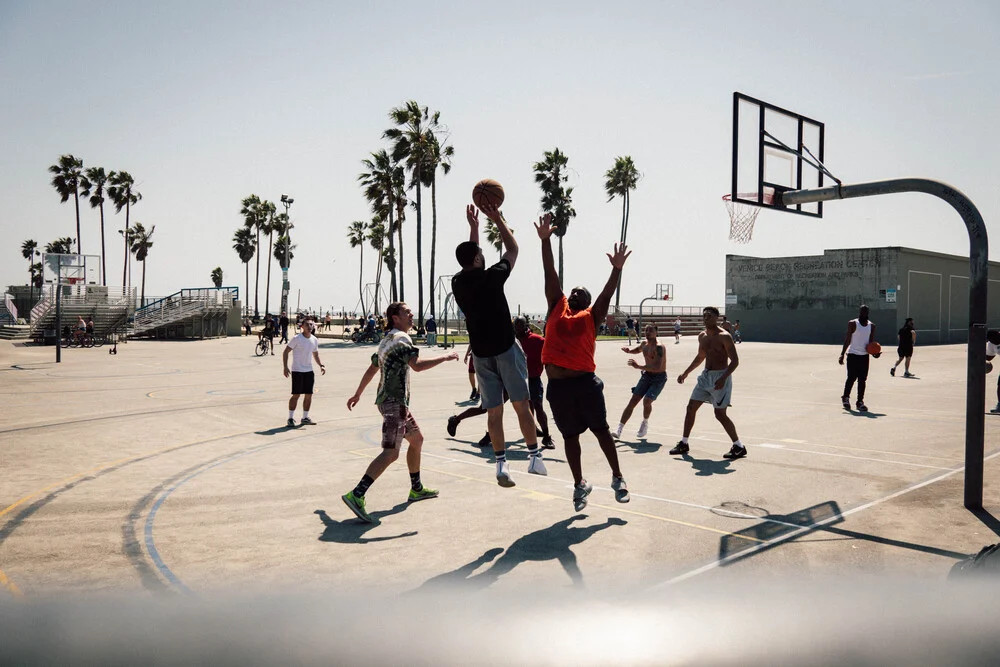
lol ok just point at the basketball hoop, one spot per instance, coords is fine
(742, 216)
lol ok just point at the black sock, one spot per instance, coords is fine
(502, 456)
(362, 488)
(415, 481)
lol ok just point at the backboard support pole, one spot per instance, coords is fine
(978, 283)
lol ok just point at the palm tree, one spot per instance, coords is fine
(250, 210)
(28, 250)
(140, 248)
(122, 192)
(217, 276)
(66, 181)
(493, 236)
(550, 174)
(381, 183)
(61, 246)
(619, 181)
(356, 232)
(440, 156)
(376, 237)
(267, 210)
(413, 139)
(245, 247)
(92, 185)
(279, 251)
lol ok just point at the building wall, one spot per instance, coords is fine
(810, 299)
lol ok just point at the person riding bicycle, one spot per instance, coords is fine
(268, 333)
(90, 327)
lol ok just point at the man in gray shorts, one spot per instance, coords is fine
(499, 360)
(715, 384)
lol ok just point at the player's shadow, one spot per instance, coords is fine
(642, 446)
(552, 543)
(869, 414)
(352, 530)
(277, 429)
(467, 403)
(708, 467)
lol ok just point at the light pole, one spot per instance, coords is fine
(287, 202)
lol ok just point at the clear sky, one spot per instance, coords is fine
(206, 103)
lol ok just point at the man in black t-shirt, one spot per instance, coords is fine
(907, 337)
(499, 360)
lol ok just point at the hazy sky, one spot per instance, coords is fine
(206, 103)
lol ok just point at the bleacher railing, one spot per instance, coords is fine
(183, 304)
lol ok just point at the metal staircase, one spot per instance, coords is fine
(187, 304)
(108, 307)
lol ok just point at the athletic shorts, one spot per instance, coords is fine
(535, 389)
(507, 370)
(705, 391)
(650, 385)
(904, 351)
(577, 404)
(302, 383)
(397, 423)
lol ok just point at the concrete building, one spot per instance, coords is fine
(810, 299)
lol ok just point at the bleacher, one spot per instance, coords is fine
(108, 307)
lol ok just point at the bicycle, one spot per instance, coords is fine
(263, 346)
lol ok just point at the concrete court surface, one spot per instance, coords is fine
(168, 468)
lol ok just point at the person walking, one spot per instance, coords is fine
(499, 361)
(395, 356)
(907, 339)
(303, 348)
(576, 394)
(860, 332)
(630, 330)
(532, 345)
(474, 396)
(430, 327)
(677, 330)
(715, 384)
(651, 381)
(283, 323)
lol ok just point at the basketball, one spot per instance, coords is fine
(487, 191)
(989, 367)
(873, 348)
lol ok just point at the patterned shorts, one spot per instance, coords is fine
(397, 423)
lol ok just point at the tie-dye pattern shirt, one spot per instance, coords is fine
(393, 358)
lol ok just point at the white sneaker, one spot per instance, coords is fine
(580, 494)
(621, 490)
(643, 429)
(503, 475)
(536, 466)
(618, 431)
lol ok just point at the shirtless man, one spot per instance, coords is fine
(651, 382)
(715, 384)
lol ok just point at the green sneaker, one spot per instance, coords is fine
(422, 494)
(357, 505)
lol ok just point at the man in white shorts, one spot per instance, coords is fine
(303, 348)
(715, 384)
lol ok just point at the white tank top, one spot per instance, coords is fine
(860, 338)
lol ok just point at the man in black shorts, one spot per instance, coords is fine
(500, 362)
(576, 394)
(303, 348)
(907, 338)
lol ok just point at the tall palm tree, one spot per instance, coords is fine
(267, 211)
(140, 248)
(250, 210)
(619, 181)
(381, 182)
(356, 233)
(493, 236)
(284, 261)
(66, 180)
(92, 185)
(122, 192)
(550, 174)
(412, 140)
(440, 156)
(28, 250)
(61, 246)
(376, 238)
(217, 276)
(245, 247)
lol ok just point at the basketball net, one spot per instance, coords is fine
(742, 216)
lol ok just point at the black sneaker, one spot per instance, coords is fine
(485, 442)
(846, 402)
(290, 423)
(735, 453)
(547, 442)
(538, 432)
(680, 448)
(474, 395)
(892, 371)
(452, 425)
(861, 406)
(306, 422)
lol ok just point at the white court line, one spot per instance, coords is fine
(848, 456)
(804, 529)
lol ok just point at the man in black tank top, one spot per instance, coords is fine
(907, 338)
(860, 332)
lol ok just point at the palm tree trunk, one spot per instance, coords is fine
(434, 227)
(246, 308)
(402, 290)
(392, 273)
(267, 290)
(142, 299)
(560, 263)
(378, 279)
(621, 236)
(104, 267)
(76, 196)
(256, 280)
(420, 262)
(361, 278)
(125, 264)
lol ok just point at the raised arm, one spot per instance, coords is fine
(472, 215)
(509, 244)
(553, 292)
(600, 309)
(425, 364)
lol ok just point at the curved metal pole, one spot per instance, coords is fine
(978, 282)
(648, 298)
(445, 336)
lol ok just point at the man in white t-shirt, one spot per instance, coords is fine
(992, 350)
(304, 348)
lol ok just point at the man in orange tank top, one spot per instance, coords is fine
(576, 394)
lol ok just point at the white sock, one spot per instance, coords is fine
(644, 422)
(684, 439)
(737, 443)
(621, 426)
(305, 414)
(291, 414)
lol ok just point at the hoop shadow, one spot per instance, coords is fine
(708, 467)
(352, 530)
(552, 543)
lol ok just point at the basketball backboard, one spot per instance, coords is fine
(665, 291)
(774, 151)
(75, 269)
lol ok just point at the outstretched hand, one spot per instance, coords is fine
(492, 212)
(545, 228)
(621, 254)
(472, 215)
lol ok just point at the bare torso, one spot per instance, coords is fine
(716, 344)
(655, 357)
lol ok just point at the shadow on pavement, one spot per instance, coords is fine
(708, 467)
(352, 530)
(640, 446)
